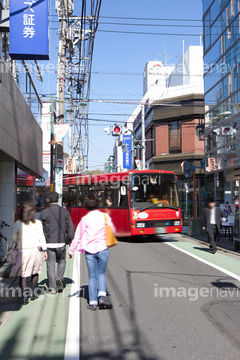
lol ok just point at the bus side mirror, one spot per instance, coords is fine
(123, 190)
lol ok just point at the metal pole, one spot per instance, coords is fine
(143, 140)
(183, 61)
(194, 196)
(52, 137)
(61, 79)
(132, 152)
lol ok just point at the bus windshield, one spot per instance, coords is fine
(153, 190)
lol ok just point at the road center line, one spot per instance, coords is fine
(72, 346)
(206, 262)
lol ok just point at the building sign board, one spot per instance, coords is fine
(127, 159)
(59, 183)
(70, 166)
(212, 166)
(46, 158)
(29, 30)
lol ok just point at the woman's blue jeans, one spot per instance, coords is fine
(97, 264)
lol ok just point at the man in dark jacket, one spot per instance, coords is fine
(212, 223)
(57, 227)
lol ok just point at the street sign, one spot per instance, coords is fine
(59, 163)
(127, 158)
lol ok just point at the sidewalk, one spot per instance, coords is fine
(38, 330)
(223, 242)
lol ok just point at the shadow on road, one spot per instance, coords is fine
(201, 248)
(148, 239)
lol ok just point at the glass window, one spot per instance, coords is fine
(122, 197)
(110, 196)
(83, 190)
(175, 145)
(65, 196)
(153, 191)
(72, 195)
(206, 4)
(214, 10)
(100, 190)
(207, 32)
(213, 54)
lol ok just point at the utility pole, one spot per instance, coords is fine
(143, 140)
(64, 9)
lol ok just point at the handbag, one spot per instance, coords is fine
(111, 239)
(11, 255)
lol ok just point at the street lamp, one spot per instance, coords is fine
(83, 108)
(69, 115)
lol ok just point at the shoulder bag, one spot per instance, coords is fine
(111, 239)
(11, 255)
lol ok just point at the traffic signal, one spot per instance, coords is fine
(116, 130)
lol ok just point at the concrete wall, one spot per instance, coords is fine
(7, 198)
(20, 134)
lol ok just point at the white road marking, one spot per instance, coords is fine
(72, 346)
(206, 262)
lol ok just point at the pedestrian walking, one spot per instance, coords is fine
(212, 223)
(58, 230)
(90, 237)
(29, 240)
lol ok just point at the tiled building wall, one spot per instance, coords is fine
(162, 140)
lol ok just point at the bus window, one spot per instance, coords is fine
(100, 189)
(65, 196)
(122, 197)
(110, 192)
(72, 196)
(83, 190)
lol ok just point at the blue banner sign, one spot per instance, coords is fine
(29, 30)
(127, 159)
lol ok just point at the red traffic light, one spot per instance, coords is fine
(116, 130)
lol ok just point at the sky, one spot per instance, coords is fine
(123, 56)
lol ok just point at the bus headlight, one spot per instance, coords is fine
(140, 225)
(177, 223)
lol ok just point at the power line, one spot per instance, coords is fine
(145, 33)
(150, 25)
(140, 18)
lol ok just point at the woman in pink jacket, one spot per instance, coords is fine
(90, 236)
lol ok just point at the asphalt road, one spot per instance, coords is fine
(167, 305)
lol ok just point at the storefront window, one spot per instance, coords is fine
(235, 200)
(24, 188)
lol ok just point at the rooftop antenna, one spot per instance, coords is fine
(165, 55)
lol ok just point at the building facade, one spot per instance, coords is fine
(222, 99)
(171, 131)
(20, 135)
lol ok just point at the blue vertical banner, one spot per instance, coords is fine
(127, 158)
(29, 30)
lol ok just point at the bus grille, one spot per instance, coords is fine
(155, 224)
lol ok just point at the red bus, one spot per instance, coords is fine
(140, 202)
